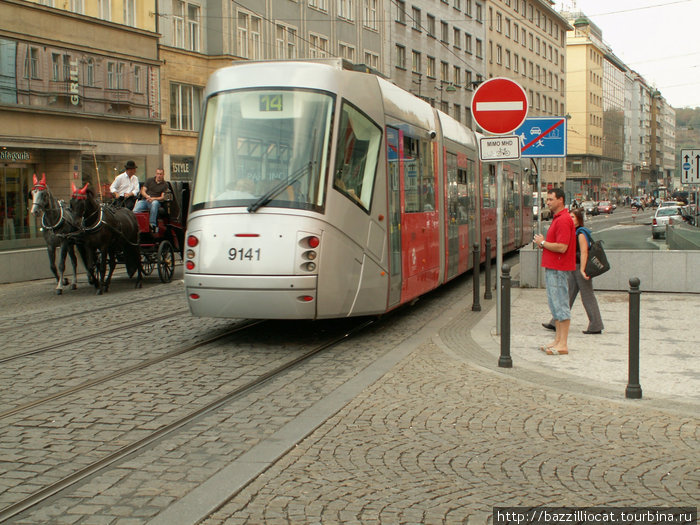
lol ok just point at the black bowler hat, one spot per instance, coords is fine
(130, 165)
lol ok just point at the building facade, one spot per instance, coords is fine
(527, 43)
(79, 96)
(437, 51)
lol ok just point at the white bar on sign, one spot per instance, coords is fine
(500, 106)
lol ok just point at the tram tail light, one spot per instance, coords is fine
(313, 241)
(191, 252)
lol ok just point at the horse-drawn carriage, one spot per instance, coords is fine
(105, 233)
(158, 247)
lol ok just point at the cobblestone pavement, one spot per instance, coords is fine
(441, 441)
(438, 435)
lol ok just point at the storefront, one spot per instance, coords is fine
(19, 227)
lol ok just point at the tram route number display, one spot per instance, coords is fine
(243, 254)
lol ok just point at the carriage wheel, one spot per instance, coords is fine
(147, 264)
(166, 261)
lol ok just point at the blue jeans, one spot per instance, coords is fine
(557, 285)
(153, 207)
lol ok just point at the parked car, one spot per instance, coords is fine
(665, 204)
(605, 207)
(590, 207)
(662, 217)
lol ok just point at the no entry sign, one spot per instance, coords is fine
(499, 105)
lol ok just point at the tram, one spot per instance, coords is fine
(324, 192)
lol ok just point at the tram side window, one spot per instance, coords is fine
(356, 156)
(419, 186)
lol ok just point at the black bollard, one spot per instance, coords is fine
(487, 284)
(634, 389)
(504, 361)
(476, 307)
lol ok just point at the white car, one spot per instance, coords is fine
(663, 216)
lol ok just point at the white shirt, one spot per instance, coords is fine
(123, 184)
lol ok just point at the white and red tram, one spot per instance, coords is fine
(324, 192)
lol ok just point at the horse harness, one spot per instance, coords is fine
(101, 222)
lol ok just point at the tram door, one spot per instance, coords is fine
(453, 219)
(393, 180)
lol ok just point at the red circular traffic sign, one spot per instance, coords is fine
(499, 105)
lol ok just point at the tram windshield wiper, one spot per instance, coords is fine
(281, 186)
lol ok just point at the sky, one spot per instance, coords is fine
(659, 39)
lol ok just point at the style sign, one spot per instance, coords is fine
(499, 148)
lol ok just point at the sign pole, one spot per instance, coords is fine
(539, 219)
(499, 241)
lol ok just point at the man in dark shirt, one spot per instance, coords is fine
(152, 195)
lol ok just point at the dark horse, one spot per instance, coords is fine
(112, 231)
(58, 225)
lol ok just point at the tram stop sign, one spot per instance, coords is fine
(499, 105)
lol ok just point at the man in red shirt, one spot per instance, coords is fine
(558, 259)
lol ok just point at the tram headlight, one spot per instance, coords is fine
(190, 254)
(310, 255)
(310, 266)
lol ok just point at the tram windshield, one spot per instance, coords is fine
(264, 148)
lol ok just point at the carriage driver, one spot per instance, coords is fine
(152, 195)
(125, 187)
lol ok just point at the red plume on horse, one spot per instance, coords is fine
(79, 193)
(40, 185)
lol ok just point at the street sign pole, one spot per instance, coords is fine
(499, 242)
(539, 219)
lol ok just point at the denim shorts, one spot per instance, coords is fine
(557, 293)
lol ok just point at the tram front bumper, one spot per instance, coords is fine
(252, 297)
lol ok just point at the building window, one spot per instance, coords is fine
(55, 66)
(346, 51)
(445, 33)
(401, 11)
(457, 76)
(138, 79)
(431, 25)
(129, 13)
(186, 25)
(115, 75)
(31, 63)
(249, 42)
(479, 13)
(319, 4)
(430, 67)
(400, 56)
(370, 9)
(286, 41)
(416, 62)
(105, 7)
(90, 76)
(346, 8)
(372, 60)
(499, 54)
(444, 72)
(77, 6)
(185, 104)
(457, 38)
(318, 46)
(468, 43)
(479, 48)
(416, 19)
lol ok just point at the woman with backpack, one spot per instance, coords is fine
(578, 280)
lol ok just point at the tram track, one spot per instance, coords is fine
(127, 370)
(19, 325)
(89, 336)
(36, 498)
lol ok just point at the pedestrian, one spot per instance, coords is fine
(558, 260)
(125, 187)
(152, 196)
(578, 280)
